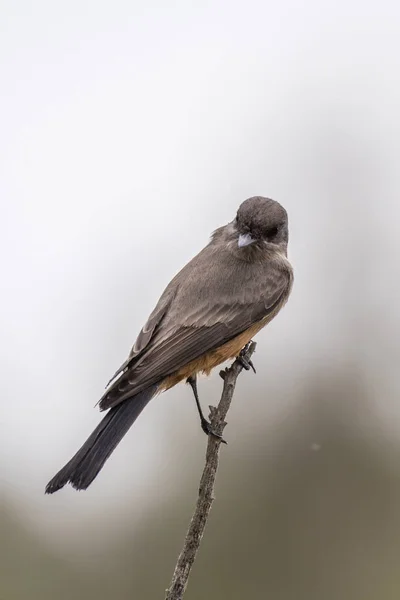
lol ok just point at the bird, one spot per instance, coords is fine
(208, 312)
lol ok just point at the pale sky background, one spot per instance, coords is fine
(129, 132)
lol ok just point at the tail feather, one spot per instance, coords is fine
(90, 458)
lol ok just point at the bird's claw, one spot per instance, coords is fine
(247, 364)
(206, 427)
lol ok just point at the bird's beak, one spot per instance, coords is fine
(245, 239)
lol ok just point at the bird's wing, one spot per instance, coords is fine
(147, 332)
(202, 324)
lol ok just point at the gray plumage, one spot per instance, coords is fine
(216, 303)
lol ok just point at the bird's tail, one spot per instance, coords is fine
(90, 458)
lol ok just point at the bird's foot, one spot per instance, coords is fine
(206, 427)
(247, 364)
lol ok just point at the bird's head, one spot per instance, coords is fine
(261, 221)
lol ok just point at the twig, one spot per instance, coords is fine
(206, 491)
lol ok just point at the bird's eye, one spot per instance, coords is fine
(271, 232)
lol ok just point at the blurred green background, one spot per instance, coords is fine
(129, 133)
(307, 509)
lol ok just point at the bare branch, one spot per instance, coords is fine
(206, 491)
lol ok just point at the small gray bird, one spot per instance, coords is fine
(210, 310)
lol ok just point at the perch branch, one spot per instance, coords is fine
(206, 490)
